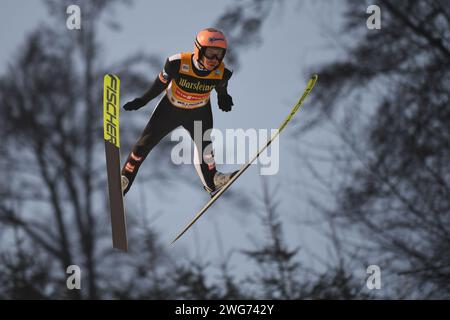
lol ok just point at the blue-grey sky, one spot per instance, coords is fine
(270, 80)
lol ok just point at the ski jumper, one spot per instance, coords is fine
(186, 100)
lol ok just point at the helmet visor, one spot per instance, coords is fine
(214, 53)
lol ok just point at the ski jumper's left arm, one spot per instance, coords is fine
(224, 100)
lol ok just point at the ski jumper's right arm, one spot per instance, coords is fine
(161, 82)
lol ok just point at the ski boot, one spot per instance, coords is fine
(124, 182)
(220, 180)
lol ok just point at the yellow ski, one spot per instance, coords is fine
(308, 89)
(111, 133)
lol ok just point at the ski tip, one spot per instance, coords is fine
(110, 75)
(311, 82)
(314, 78)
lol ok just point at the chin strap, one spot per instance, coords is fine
(199, 65)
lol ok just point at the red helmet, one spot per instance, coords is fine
(209, 37)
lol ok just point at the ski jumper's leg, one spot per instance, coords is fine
(201, 121)
(160, 124)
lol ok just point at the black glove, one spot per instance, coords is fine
(225, 102)
(135, 104)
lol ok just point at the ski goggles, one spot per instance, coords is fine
(214, 53)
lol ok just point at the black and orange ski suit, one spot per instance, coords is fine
(185, 101)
